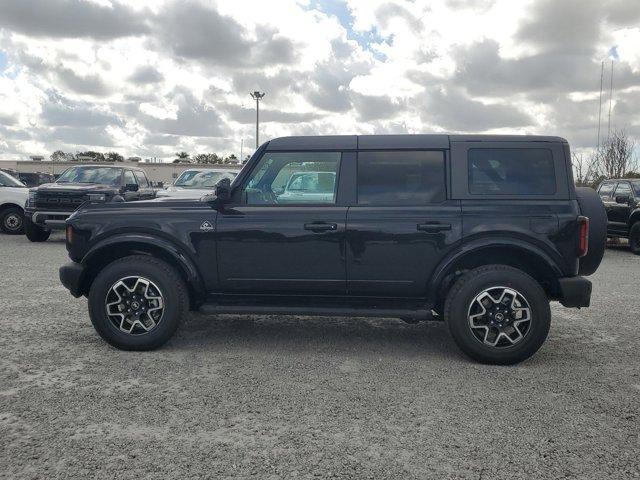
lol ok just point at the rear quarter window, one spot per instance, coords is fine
(511, 171)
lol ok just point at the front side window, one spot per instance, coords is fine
(98, 175)
(511, 171)
(293, 178)
(400, 178)
(129, 179)
(606, 189)
(142, 178)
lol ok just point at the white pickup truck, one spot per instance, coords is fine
(13, 196)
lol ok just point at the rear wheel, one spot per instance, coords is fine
(498, 314)
(35, 233)
(137, 302)
(634, 238)
(12, 220)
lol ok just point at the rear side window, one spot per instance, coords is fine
(623, 189)
(511, 171)
(400, 178)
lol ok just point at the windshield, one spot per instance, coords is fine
(100, 175)
(7, 180)
(202, 178)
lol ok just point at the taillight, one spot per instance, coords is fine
(69, 234)
(583, 236)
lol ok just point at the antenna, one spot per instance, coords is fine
(600, 104)
(610, 98)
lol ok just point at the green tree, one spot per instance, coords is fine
(94, 156)
(182, 155)
(114, 157)
(60, 156)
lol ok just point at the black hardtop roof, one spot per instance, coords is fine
(376, 142)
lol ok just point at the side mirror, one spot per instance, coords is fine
(622, 199)
(131, 187)
(223, 190)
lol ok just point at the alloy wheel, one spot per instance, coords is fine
(134, 305)
(499, 317)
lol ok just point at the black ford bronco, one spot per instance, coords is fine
(621, 198)
(480, 231)
(49, 205)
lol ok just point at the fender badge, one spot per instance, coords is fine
(206, 226)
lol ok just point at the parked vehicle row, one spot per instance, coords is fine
(484, 231)
(621, 198)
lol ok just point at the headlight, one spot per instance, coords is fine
(97, 197)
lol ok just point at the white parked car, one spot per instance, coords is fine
(309, 187)
(13, 196)
(196, 182)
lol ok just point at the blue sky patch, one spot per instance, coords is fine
(3, 61)
(340, 10)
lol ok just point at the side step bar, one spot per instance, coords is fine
(217, 309)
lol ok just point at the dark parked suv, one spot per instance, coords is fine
(51, 204)
(621, 198)
(481, 231)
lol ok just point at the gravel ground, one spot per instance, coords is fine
(276, 397)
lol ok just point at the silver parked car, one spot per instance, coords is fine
(196, 182)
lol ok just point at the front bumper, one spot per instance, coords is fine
(71, 276)
(575, 292)
(54, 219)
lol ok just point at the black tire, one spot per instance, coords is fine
(591, 206)
(12, 220)
(634, 238)
(35, 233)
(473, 283)
(171, 286)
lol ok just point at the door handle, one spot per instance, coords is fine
(320, 227)
(433, 227)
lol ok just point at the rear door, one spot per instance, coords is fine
(271, 240)
(401, 224)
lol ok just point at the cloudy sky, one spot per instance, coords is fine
(152, 77)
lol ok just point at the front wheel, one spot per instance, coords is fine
(12, 220)
(35, 233)
(137, 302)
(498, 314)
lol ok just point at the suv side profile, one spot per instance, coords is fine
(621, 198)
(481, 231)
(49, 205)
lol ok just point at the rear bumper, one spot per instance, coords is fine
(71, 275)
(575, 292)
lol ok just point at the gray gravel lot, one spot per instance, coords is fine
(277, 397)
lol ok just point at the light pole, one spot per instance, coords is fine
(257, 96)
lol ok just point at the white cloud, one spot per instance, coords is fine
(154, 76)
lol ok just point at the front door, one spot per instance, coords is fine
(401, 225)
(619, 211)
(284, 231)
